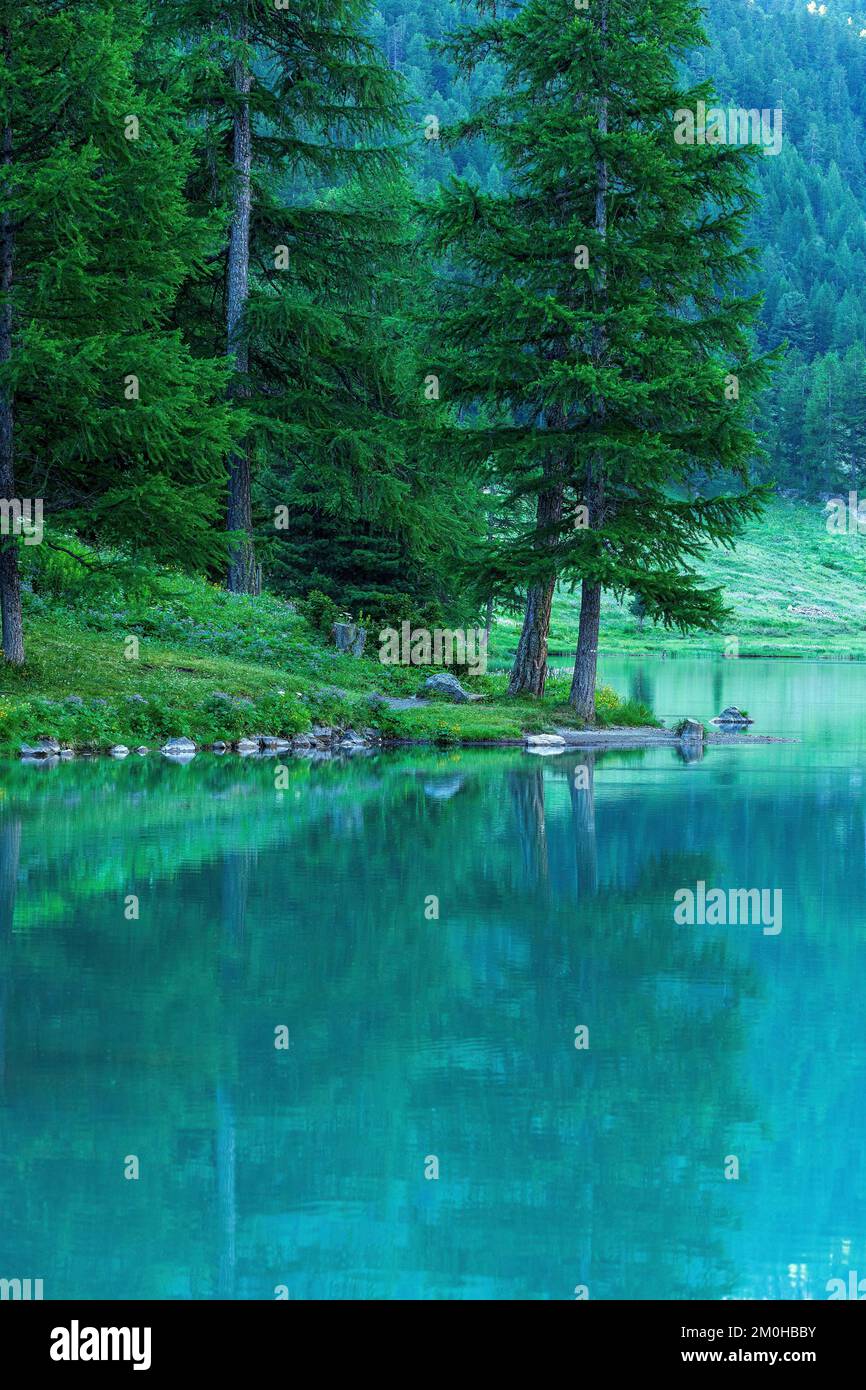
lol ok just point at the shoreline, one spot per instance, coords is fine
(333, 742)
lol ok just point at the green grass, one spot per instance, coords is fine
(786, 558)
(213, 665)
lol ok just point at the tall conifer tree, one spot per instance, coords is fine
(105, 413)
(594, 304)
(301, 111)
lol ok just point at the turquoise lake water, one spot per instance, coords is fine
(413, 1037)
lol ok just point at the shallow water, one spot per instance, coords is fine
(413, 1037)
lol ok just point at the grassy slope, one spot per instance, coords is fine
(786, 558)
(199, 645)
(213, 665)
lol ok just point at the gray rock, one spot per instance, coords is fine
(119, 750)
(178, 747)
(141, 750)
(66, 754)
(536, 742)
(732, 715)
(348, 637)
(443, 683)
(245, 746)
(302, 741)
(352, 742)
(274, 744)
(691, 731)
(219, 746)
(44, 748)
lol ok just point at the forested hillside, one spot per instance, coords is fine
(810, 225)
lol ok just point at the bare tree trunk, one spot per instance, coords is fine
(10, 585)
(529, 672)
(243, 576)
(488, 621)
(582, 695)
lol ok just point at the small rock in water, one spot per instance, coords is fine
(245, 746)
(692, 730)
(178, 745)
(179, 750)
(544, 741)
(273, 744)
(45, 748)
(119, 750)
(732, 715)
(141, 750)
(219, 746)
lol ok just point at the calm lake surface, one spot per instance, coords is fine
(412, 1037)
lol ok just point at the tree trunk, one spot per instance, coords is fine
(10, 587)
(243, 576)
(529, 672)
(582, 695)
(488, 621)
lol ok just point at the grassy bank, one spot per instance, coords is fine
(786, 560)
(213, 665)
(140, 656)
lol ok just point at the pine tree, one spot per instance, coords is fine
(298, 104)
(105, 413)
(593, 306)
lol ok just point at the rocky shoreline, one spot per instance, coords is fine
(324, 740)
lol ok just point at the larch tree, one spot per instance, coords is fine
(107, 418)
(596, 306)
(299, 111)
